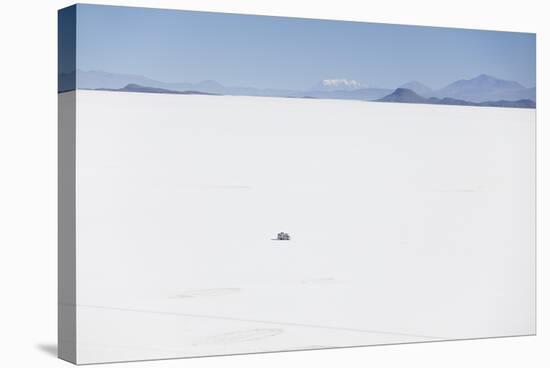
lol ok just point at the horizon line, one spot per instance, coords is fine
(361, 85)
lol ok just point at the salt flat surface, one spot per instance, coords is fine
(408, 223)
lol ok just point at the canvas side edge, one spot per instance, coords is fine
(66, 334)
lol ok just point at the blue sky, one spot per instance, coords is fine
(277, 52)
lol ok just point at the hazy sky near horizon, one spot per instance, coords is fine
(293, 53)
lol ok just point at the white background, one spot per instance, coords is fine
(28, 181)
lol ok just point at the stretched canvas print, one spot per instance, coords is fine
(234, 184)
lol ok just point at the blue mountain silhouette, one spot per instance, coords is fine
(481, 89)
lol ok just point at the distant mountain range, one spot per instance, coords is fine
(420, 88)
(404, 95)
(145, 89)
(104, 80)
(369, 94)
(486, 88)
(478, 91)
